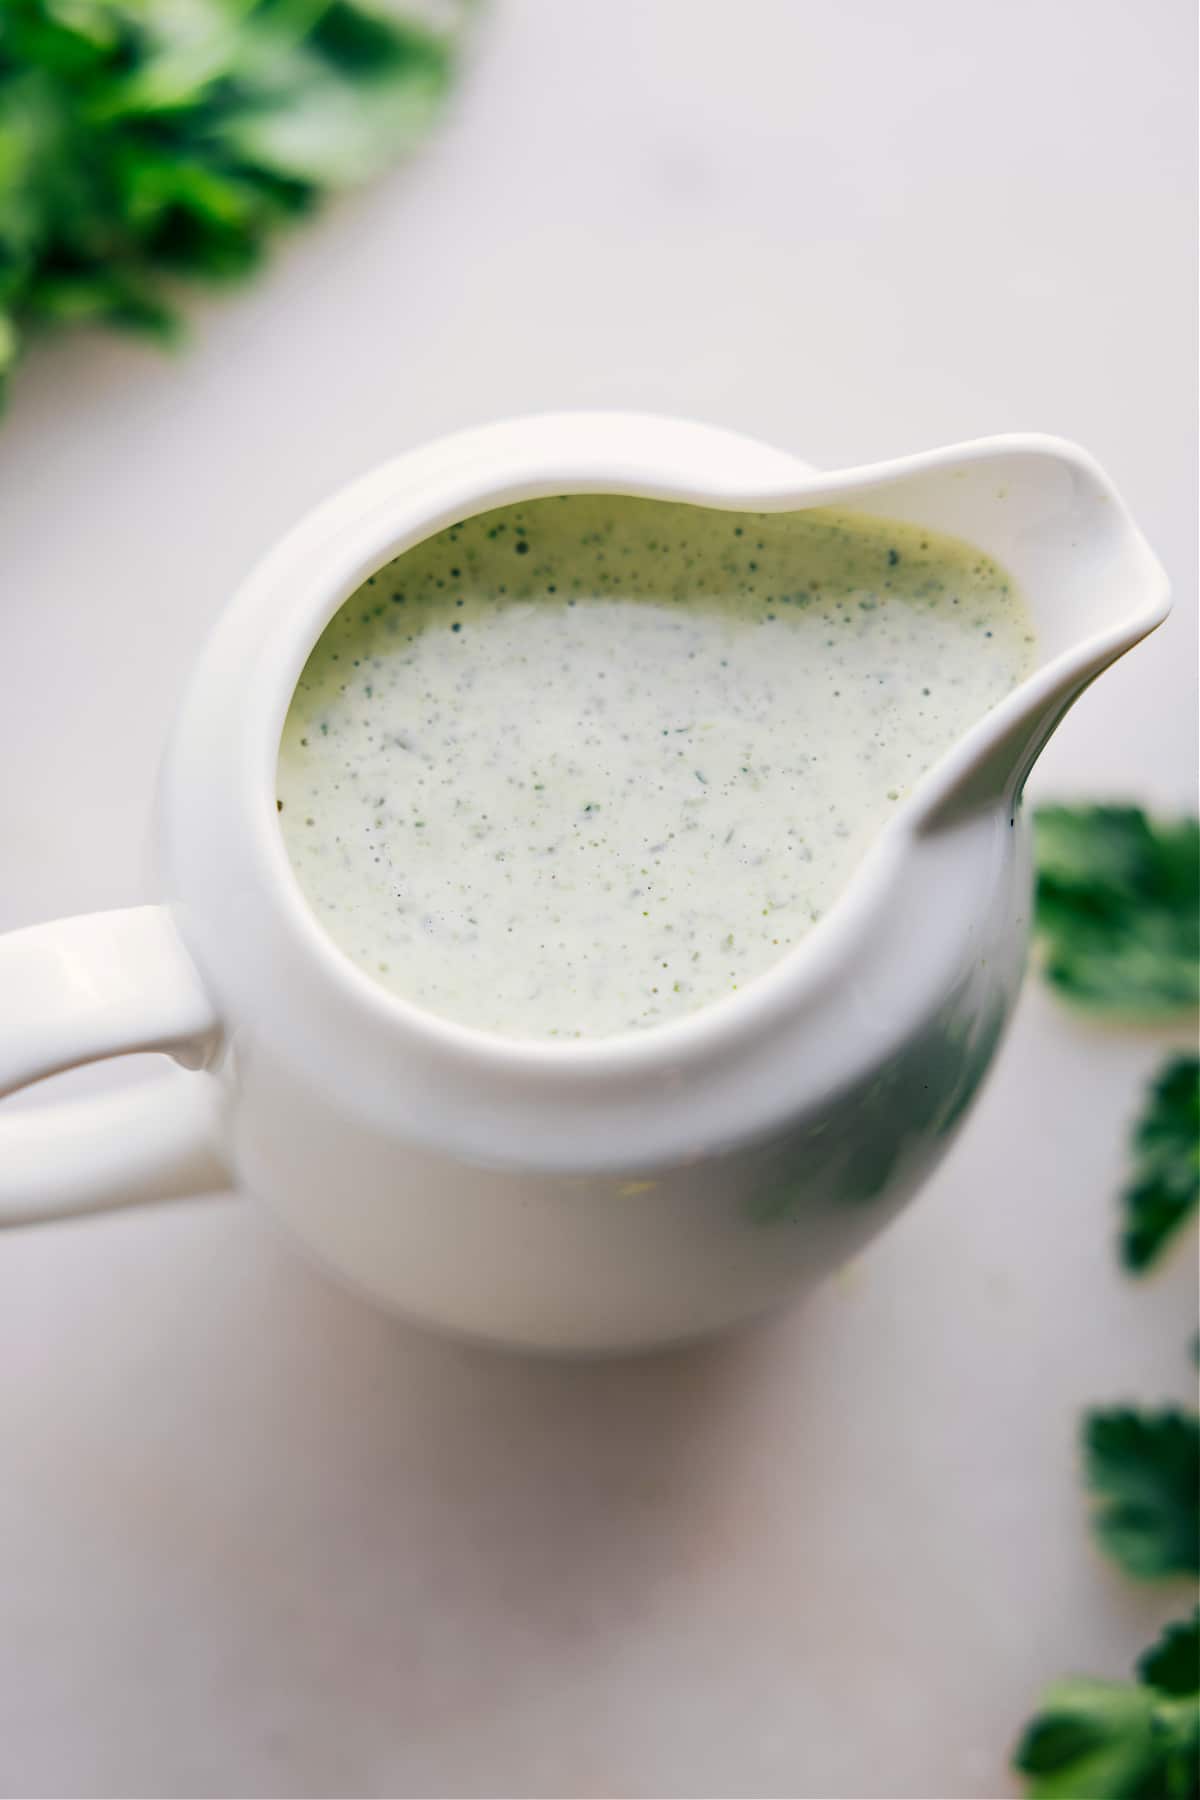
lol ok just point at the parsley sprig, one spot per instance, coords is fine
(1094, 1740)
(1143, 1469)
(1118, 918)
(1166, 1169)
(1118, 924)
(146, 139)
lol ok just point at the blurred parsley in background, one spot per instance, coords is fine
(141, 139)
(1117, 917)
(1107, 1740)
(1118, 932)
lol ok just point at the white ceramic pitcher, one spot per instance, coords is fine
(579, 1196)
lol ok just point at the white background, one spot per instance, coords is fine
(257, 1539)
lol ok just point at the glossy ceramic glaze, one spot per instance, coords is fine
(617, 1193)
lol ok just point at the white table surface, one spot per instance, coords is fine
(258, 1539)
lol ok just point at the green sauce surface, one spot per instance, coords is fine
(582, 765)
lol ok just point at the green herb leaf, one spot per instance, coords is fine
(1094, 1740)
(1166, 1174)
(145, 137)
(1118, 908)
(1100, 1740)
(1173, 1664)
(1144, 1471)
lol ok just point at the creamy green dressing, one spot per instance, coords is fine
(583, 765)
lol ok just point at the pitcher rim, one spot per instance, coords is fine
(806, 968)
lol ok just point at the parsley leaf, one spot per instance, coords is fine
(1118, 908)
(141, 138)
(1144, 1472)
(1101, 1740)
(1173, 1664)
(1166, 1173)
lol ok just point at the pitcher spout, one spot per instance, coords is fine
(1094, 589)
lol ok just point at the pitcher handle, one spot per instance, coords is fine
(75, 991)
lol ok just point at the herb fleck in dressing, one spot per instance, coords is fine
(582, 765)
